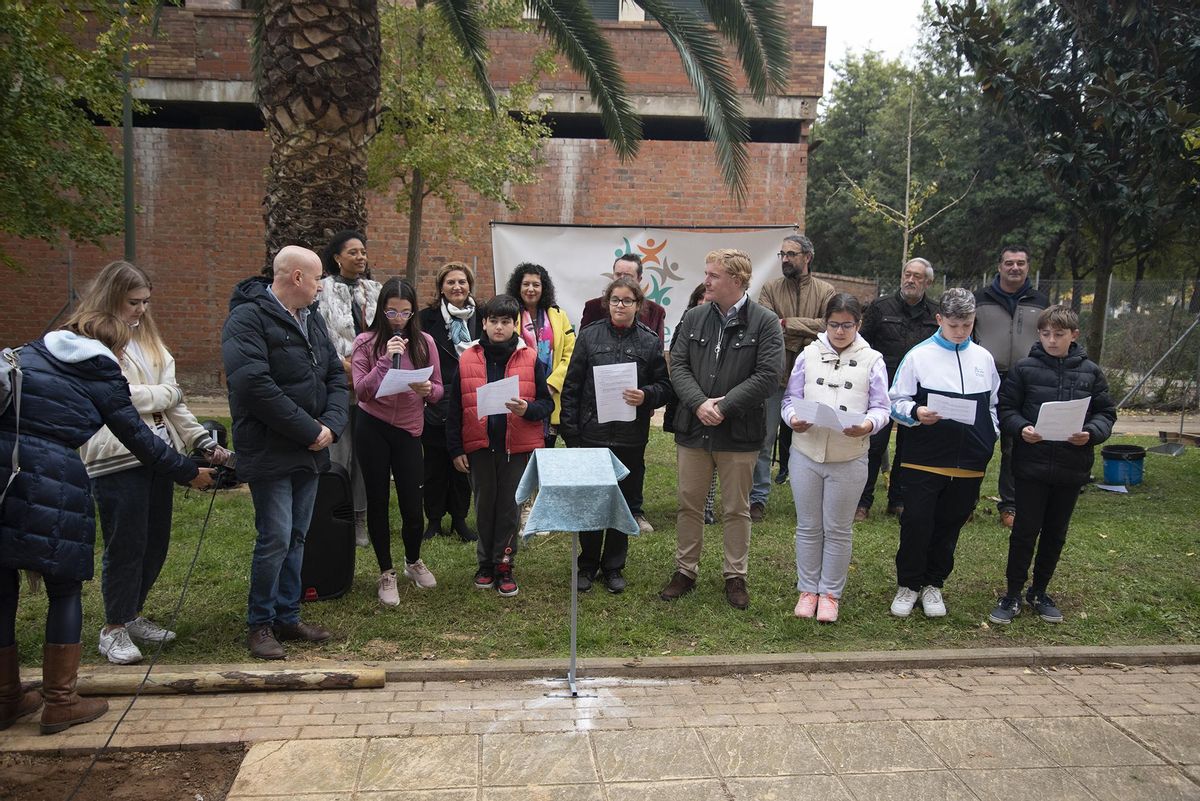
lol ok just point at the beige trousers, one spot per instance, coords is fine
(736, 472)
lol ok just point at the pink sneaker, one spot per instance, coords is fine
(807, 605)
(827, 609)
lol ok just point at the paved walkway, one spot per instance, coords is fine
(967, 733)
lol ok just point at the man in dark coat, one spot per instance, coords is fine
(892, 326)
(1006, 324)
(652, 315)
(289, 400)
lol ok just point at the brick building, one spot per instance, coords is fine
(200, 159)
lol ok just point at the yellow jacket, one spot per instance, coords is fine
(560, 357)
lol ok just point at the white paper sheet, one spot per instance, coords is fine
(493, 395)
(961, 410)
(1058, 420)
(1113, 488)
(397, 381)
(823, 415)
(611, 380)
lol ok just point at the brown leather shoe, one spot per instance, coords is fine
(262, 643)
(861, 514)
(301, 631)
(736, 592)
(14, 704)
(757, 512)
(64, 708)
(679, 586)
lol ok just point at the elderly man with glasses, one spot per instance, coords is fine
(798, 300)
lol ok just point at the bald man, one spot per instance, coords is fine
(289, 400)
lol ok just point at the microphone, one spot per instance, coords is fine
(395, 361)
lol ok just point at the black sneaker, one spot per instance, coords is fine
(614, 581)
(1044, 606)
(1008, 608)
(506, 583)
(583, 582)
(465, 533)
(484, 579)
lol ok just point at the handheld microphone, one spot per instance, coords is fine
(395, 361)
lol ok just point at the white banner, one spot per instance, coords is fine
(579, 259)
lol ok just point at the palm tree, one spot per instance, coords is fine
(317, 79)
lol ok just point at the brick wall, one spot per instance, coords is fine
(200, 224)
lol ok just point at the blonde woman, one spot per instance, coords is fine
(134, 502)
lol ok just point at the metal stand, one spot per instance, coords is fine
(572, 687)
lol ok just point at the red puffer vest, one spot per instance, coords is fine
(523, 435)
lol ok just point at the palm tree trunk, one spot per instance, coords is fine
(317, 80)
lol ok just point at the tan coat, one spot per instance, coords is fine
(800, 303)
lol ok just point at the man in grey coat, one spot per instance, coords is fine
(726, 360)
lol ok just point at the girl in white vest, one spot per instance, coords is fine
(828, 465)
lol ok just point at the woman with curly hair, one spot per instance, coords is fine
(545, 328)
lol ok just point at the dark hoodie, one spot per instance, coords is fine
(283, 386)
(1037, 379)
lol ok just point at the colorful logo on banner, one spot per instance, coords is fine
(656, 267)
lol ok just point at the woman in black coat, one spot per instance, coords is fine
(619, 339)
(452, 322)
(72, 385)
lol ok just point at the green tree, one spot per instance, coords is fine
(1104, 94)
(318, 81)
(57, 75)
(436, 133)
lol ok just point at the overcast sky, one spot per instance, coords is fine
(889, 26)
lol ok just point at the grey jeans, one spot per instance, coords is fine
(826, 495)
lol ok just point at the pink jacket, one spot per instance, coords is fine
(404, 410)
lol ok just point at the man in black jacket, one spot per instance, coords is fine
(289, 400)
(892, 326)
(725, 361)
(1006, 314)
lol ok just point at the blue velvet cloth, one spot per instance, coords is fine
(576, 491)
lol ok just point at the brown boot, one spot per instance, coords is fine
(64, 708)
(679, 585)
(13, 703)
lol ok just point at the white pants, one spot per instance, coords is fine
(826, 495)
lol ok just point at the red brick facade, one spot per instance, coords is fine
(200, 191)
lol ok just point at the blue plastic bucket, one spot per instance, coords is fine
(1123, 464)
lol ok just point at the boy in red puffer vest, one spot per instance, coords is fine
(495, 450)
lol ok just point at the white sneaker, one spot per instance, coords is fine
(643, 524)
(932, 603)
(902, 604)
(418, 574)
(146, 630)
(116, 645)
(389, 595)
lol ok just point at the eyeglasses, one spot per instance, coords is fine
(790, 254)
(623, 302)
(850, 326)
(392, 314)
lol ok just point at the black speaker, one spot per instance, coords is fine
(328, 567)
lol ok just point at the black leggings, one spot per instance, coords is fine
(64, 616)
(382, 448)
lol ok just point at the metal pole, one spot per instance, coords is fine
(1162, 359)
(127, 139)
(574, 609)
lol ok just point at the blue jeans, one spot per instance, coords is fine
(761, 488)
(135, 518)
(282, 511)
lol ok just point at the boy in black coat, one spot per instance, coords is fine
(1047, 474)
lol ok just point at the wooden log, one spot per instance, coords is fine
(230, 681)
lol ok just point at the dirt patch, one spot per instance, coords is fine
(121, 776)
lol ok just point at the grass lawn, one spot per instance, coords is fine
(1128, 575)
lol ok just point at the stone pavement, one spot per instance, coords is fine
(1104, 732)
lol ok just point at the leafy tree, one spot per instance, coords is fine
(60, 175)
(1104, 94)
(437, 134)
(318, 82)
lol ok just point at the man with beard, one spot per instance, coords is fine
(892, 326)
(1006, 324)
(798, 300)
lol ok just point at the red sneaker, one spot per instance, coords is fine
(506, 585)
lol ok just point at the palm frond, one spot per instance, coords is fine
(763, 44)
(572, 29)
(463, 19)
(706, 68)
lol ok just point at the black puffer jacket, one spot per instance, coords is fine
(71, 387)
(603, 343)
(1039, 378)
(434, 324)
(282, 386)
